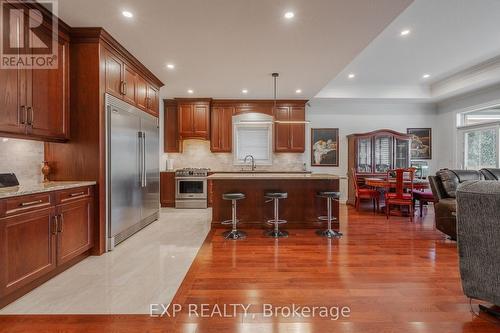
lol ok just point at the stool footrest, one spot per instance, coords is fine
(227, 222)
(329, 233)
(325, 218)
(273, 221)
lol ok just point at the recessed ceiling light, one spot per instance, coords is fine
(405, 32)
(190, 91)
(351, 76)
(298, 91)
(289, 15)
(127, 14)
(245, 91)
(426, 76)
(170, 66)
(5, 139)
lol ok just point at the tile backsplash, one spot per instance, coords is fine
(197, 154)
(23, 157)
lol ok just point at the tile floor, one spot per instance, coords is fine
(147, 268)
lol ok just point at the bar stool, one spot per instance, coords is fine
(329, 196)
(234, 233)
(276, 196)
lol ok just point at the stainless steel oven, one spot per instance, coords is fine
(191, 188)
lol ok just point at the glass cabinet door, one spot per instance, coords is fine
(364, 163)
(383, 153)
(401, 154)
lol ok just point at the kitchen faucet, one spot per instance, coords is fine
(253, 161)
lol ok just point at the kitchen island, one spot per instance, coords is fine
(300, 209)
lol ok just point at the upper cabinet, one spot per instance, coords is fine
(171, 141)
(34, 101)
(289, 136)
(221, 129)
(194, 118)
(125, 82)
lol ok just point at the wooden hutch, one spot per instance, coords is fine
(373, 154)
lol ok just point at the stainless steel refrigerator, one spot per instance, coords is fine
(132, 167)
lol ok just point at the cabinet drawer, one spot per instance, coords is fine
(26, 203)
(73, 194)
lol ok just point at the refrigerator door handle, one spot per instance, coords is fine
(144, 173)
(141, 170)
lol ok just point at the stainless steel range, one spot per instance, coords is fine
(191, 188)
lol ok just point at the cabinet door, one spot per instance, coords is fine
(141, 93)
(171, 143)
(215, 129)
(48, 97)
(153, 97)
(12, 106)
(364, 155)
(282, 131)
(167, 189)
(383, 153)
(129, 84)
(186, 119)
(113, 72)
(28, 248)
(201, 120)
(297, 131)
(74, 229)
(402, 154)
(12, 113)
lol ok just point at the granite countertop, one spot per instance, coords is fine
(16, 191)
(254, 175)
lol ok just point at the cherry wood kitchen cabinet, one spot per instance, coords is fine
(98, 63)
(289, 137)
(124, 81)
(221, 133)
(167, 189)
(34, 103)
(41, 235)
(171, 139)
(194, 118)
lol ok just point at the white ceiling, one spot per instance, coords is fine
(447, 37)
(220, 47)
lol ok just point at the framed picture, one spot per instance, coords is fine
(324, 147)
(421, 143)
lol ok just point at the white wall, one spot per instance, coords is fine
(359, 116)
(447, 121)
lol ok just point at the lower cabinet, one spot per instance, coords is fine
(37, 240)
(167, 189)
(74, 229)
(28, 248)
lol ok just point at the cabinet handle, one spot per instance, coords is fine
(76, 194)
(29, 116)
(23, 115)
(31, 203)
(124, 87)
(60, 224)
(54, 224)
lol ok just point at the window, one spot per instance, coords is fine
(479, 138)
(481, 148)
(252, 135)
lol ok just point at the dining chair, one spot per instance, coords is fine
(403, 194)
(365, 193)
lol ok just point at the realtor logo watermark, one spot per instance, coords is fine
(28, 39)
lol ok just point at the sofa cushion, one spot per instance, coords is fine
(491, 174)
(452, 178)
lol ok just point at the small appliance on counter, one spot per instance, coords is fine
(8, 180)
(191, 188)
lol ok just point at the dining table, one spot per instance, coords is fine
(418, 184)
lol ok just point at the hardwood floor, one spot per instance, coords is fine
(394, 275)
